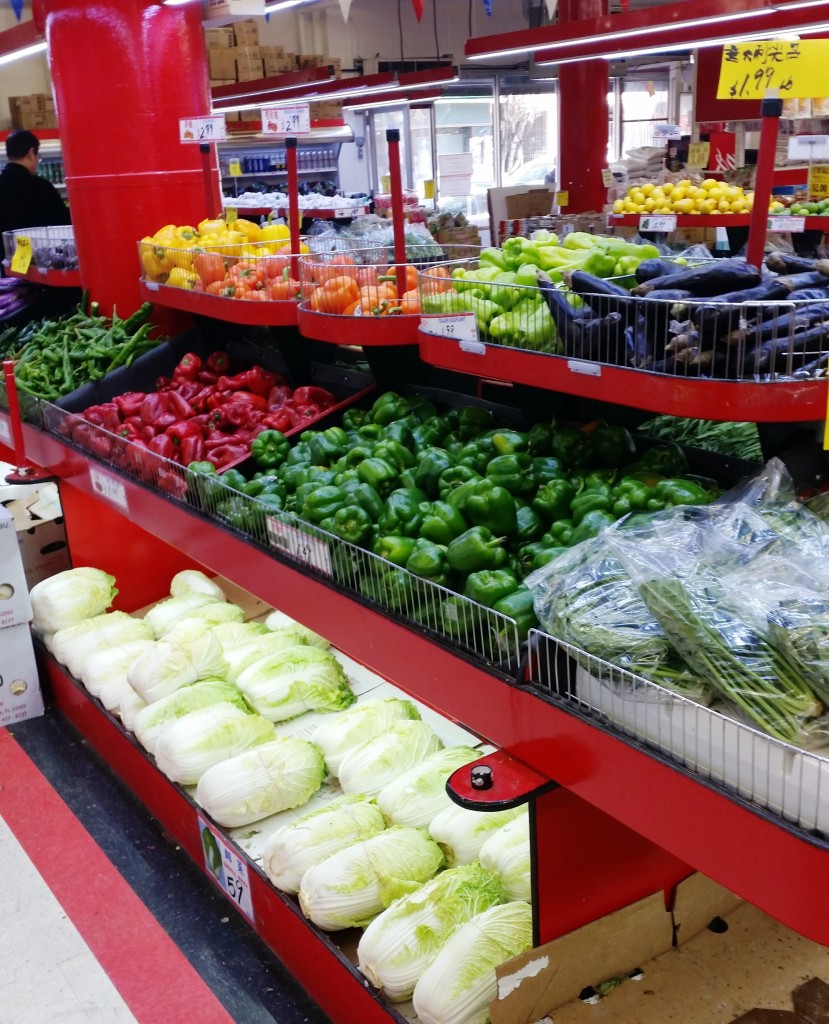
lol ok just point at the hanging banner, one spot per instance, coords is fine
(345, 7)
(488, 8)
(17, 7)
(796, 69)
(418, 8)
(552, 6)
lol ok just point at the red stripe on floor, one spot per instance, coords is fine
(152, 975)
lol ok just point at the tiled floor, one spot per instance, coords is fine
(102, 919)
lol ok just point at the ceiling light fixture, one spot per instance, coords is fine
(283, 5)
(394, 99)
(26, 51)
(23, 40)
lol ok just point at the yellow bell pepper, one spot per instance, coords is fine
(274, 233)
(182, 255)
(165, 235)
(153, 259)
(233, 242)
(186, 234)
(181, 278)
(210, 226)
(247, 228)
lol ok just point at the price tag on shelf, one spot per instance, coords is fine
(809, 147)
(234, 168)
(227, 868)
(299, 545)
(5, 430)
(659, 222)
(108, 487)
(698, 153)
(794, 225)
(231, 214)
(294, 120)
(462, 327)
(796, 68)
(662, 132)
(562, 199)
(22, 254)
(151, 286)
(202, 129)
(587, 369)
(818, 182)
(607, 177)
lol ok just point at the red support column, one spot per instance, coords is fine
(123, 73)
(583, 119)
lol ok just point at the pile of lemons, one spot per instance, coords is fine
(710, 197)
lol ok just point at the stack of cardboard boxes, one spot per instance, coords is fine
(235, 55)
(35, 111)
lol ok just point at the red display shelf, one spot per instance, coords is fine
(308, 954)
(727, 220)
(772, 402)
(273, 313)
(667, 817)
(41, 275)
(365, 331)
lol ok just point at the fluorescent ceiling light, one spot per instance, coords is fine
(175, 3)
(26, 51)
(283, 5)
(800, 5)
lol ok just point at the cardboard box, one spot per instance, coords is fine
(15, 606)
(20, 695)
(326, 110)
(248, 70)
(246, 33)
(41, 531)
(222, 64)
(307, 61)
(459, 236)
(223, 38)
(536, 202)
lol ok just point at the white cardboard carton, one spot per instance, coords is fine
(20, 694)
(15, 607)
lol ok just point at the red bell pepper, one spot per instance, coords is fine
(309, 394)
(251, 399)
(226, 453)
(179, 406)
(278, 396)
(177, 432)
(188, 366)
(191, 449)
(136, 457)
(186, 389)
(153, 406)
(207, 377)
(163, 445)
(171, 482)
(100, 445)
(129, 403)
(111, 417)
(303, 413)
(278, 419)
(218, 362)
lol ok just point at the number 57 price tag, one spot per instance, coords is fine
(227, 868)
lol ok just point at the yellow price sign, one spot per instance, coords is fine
(698, 153)
(22, 254)
(562, 199)
(819, 181)
(795, 68)
(231, 213)
(234, 168)
(428, 189)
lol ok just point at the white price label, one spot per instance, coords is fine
(460, 326)
(809, 147)
(227, 868)
(300, 545)
(106, 486)
(295, 120)
(667, 131)
(794, 225)
(151, 286)
(607, 177)
(662, 222)
(477, 348)
(5, 430)
(588, 369)
(202, 129)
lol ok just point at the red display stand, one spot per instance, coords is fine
(273, 313)
(42, 275)
(358, 330)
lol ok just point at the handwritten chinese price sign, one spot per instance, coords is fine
(797, 69)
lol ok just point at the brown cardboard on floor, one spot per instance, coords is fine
(713, 978)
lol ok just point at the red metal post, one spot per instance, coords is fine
(15, 420)
(771, 109)
(293, 202)
(122, 81)
(398, 220)
(583, 119)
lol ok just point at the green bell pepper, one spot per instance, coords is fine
(269, 449)
(519, 607)
(477, 548)
(530, 525)
(238, 512)
(451, 479)
(553, 500)
(441, 522)
(573, 447)
(395, 453)
(431, 463)
(364, 495)
(488, 586)
(560, 533)
(401, 513)
(592, 525)
(355, 418)
(371, 432)
(300, 453)
(206, 487)
(678, 491)
(514, 472)
(631, 495)
(402, 431)
(293, 476)
(667, 459)
(540, 439)
(476, 454)
(321, 502)
(379, 473)
(389, 406)
(394, 548)
(429, 434)
(392, 589)
(598, 499)
(350, 523)
(472, 420)
(429, 561)
(547, 468)
(264, 484)
(508, 442)
(319, 475)
(233, 478)
(459, 619)
(612, 445)
(327, 446)
(491, 506)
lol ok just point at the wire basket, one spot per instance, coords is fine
(53, 248)
(790, 783)
(259, 271)
(691, 338)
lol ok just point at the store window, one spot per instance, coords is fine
(380, 121)
(528, 132)
(643, 104)
(464, 126)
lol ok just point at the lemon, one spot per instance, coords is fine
(724, 206)
(685, 205)
(668, 187)
(710, 183)
(678, 194)
(738, 205)
(647, 188)
(618, 206)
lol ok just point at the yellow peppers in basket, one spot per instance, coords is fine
(274, 233)
(181, 278)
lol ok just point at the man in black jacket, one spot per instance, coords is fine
(26, 200)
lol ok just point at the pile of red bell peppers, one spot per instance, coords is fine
(201, 413)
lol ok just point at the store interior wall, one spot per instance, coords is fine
(22, 77)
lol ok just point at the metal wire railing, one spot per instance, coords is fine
(788, 782)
